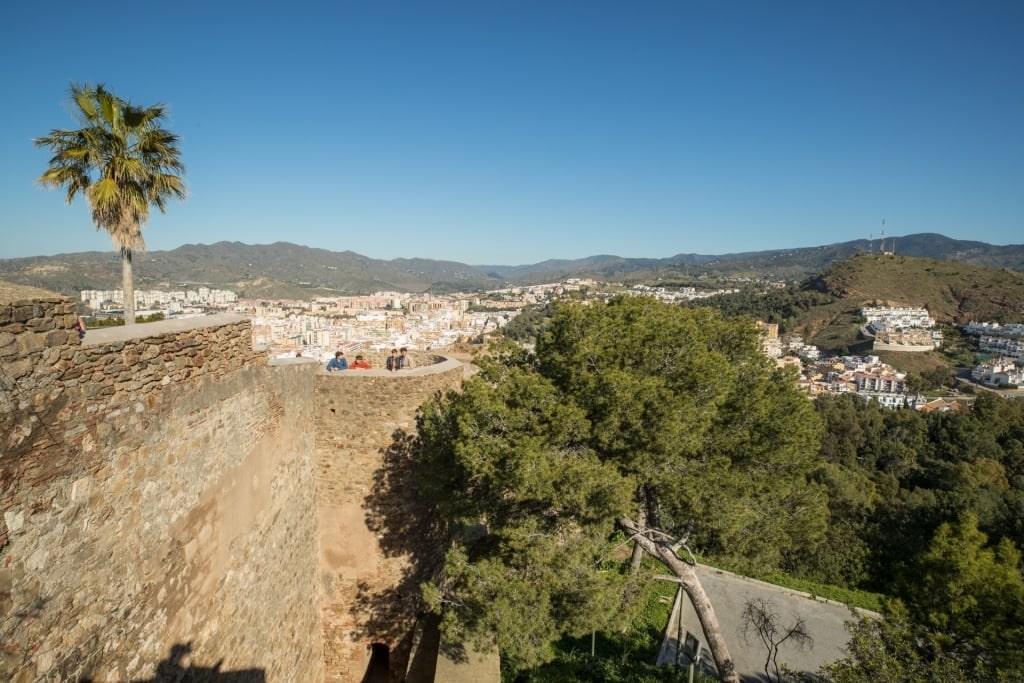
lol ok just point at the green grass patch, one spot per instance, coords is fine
(625, 656)
(847, 596)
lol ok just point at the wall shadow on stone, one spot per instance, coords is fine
(406, 526)
(177, 669)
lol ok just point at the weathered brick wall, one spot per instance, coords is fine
(368, 533)
(155, 493)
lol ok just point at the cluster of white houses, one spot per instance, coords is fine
(169, 303)
(318, 327)
(866, 376)
(897, 317)
(1002, 372)
(905, 329)
(901, 328)
(1005, 344)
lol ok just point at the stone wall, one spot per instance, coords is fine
(157, 502)
(368, 532)
(171, 505)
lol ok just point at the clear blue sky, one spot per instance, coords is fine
(516, 131)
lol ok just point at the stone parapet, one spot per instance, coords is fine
(112, 374)
(33, 336)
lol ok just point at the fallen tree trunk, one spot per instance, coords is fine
(686, 573)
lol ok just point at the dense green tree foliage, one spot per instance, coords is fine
(960, 618)
(889, 651)
(515, 461)
(894, 476)
(529, 324)
(667, 421)
(969, 598)
(928, 508)
(782, 306)
(685, 403)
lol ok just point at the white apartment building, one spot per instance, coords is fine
(902, 328)
(897, 318)
(880, 382)
(1012, 347)
(995, 329)
(999, 373)
(99, 299)
(1001, 340)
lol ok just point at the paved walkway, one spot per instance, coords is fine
(729, 593)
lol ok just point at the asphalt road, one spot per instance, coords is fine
(729, 593)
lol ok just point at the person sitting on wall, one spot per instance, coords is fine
(404, 359)
(392, 363)
(360, 364)
(338, 362)
(79, 327)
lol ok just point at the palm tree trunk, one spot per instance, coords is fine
(127, 286)
(688, 579)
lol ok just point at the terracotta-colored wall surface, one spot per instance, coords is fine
(367, 527)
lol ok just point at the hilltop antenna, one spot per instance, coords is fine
(881, 245)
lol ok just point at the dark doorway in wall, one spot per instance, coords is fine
(379, 668)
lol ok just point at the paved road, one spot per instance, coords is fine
(730, 593)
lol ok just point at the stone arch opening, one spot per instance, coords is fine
(379, 668)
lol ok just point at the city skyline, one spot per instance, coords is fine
(515, 133)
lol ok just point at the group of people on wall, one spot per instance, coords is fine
(398, 360)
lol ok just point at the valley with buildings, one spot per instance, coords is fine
(512, 343)
(160, 480)
(320, 325)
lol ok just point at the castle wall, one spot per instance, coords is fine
(368, 532)
(157, 502)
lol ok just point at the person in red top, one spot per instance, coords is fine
(360, 364)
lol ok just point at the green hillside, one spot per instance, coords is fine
(953, 293)
(289, 270)
(825, 309)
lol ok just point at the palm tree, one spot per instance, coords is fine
(122, 161)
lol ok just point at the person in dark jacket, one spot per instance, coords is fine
(338, 362)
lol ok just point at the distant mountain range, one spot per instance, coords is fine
(288, 270)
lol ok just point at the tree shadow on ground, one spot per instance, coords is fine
(178, 668)
(406, 527)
